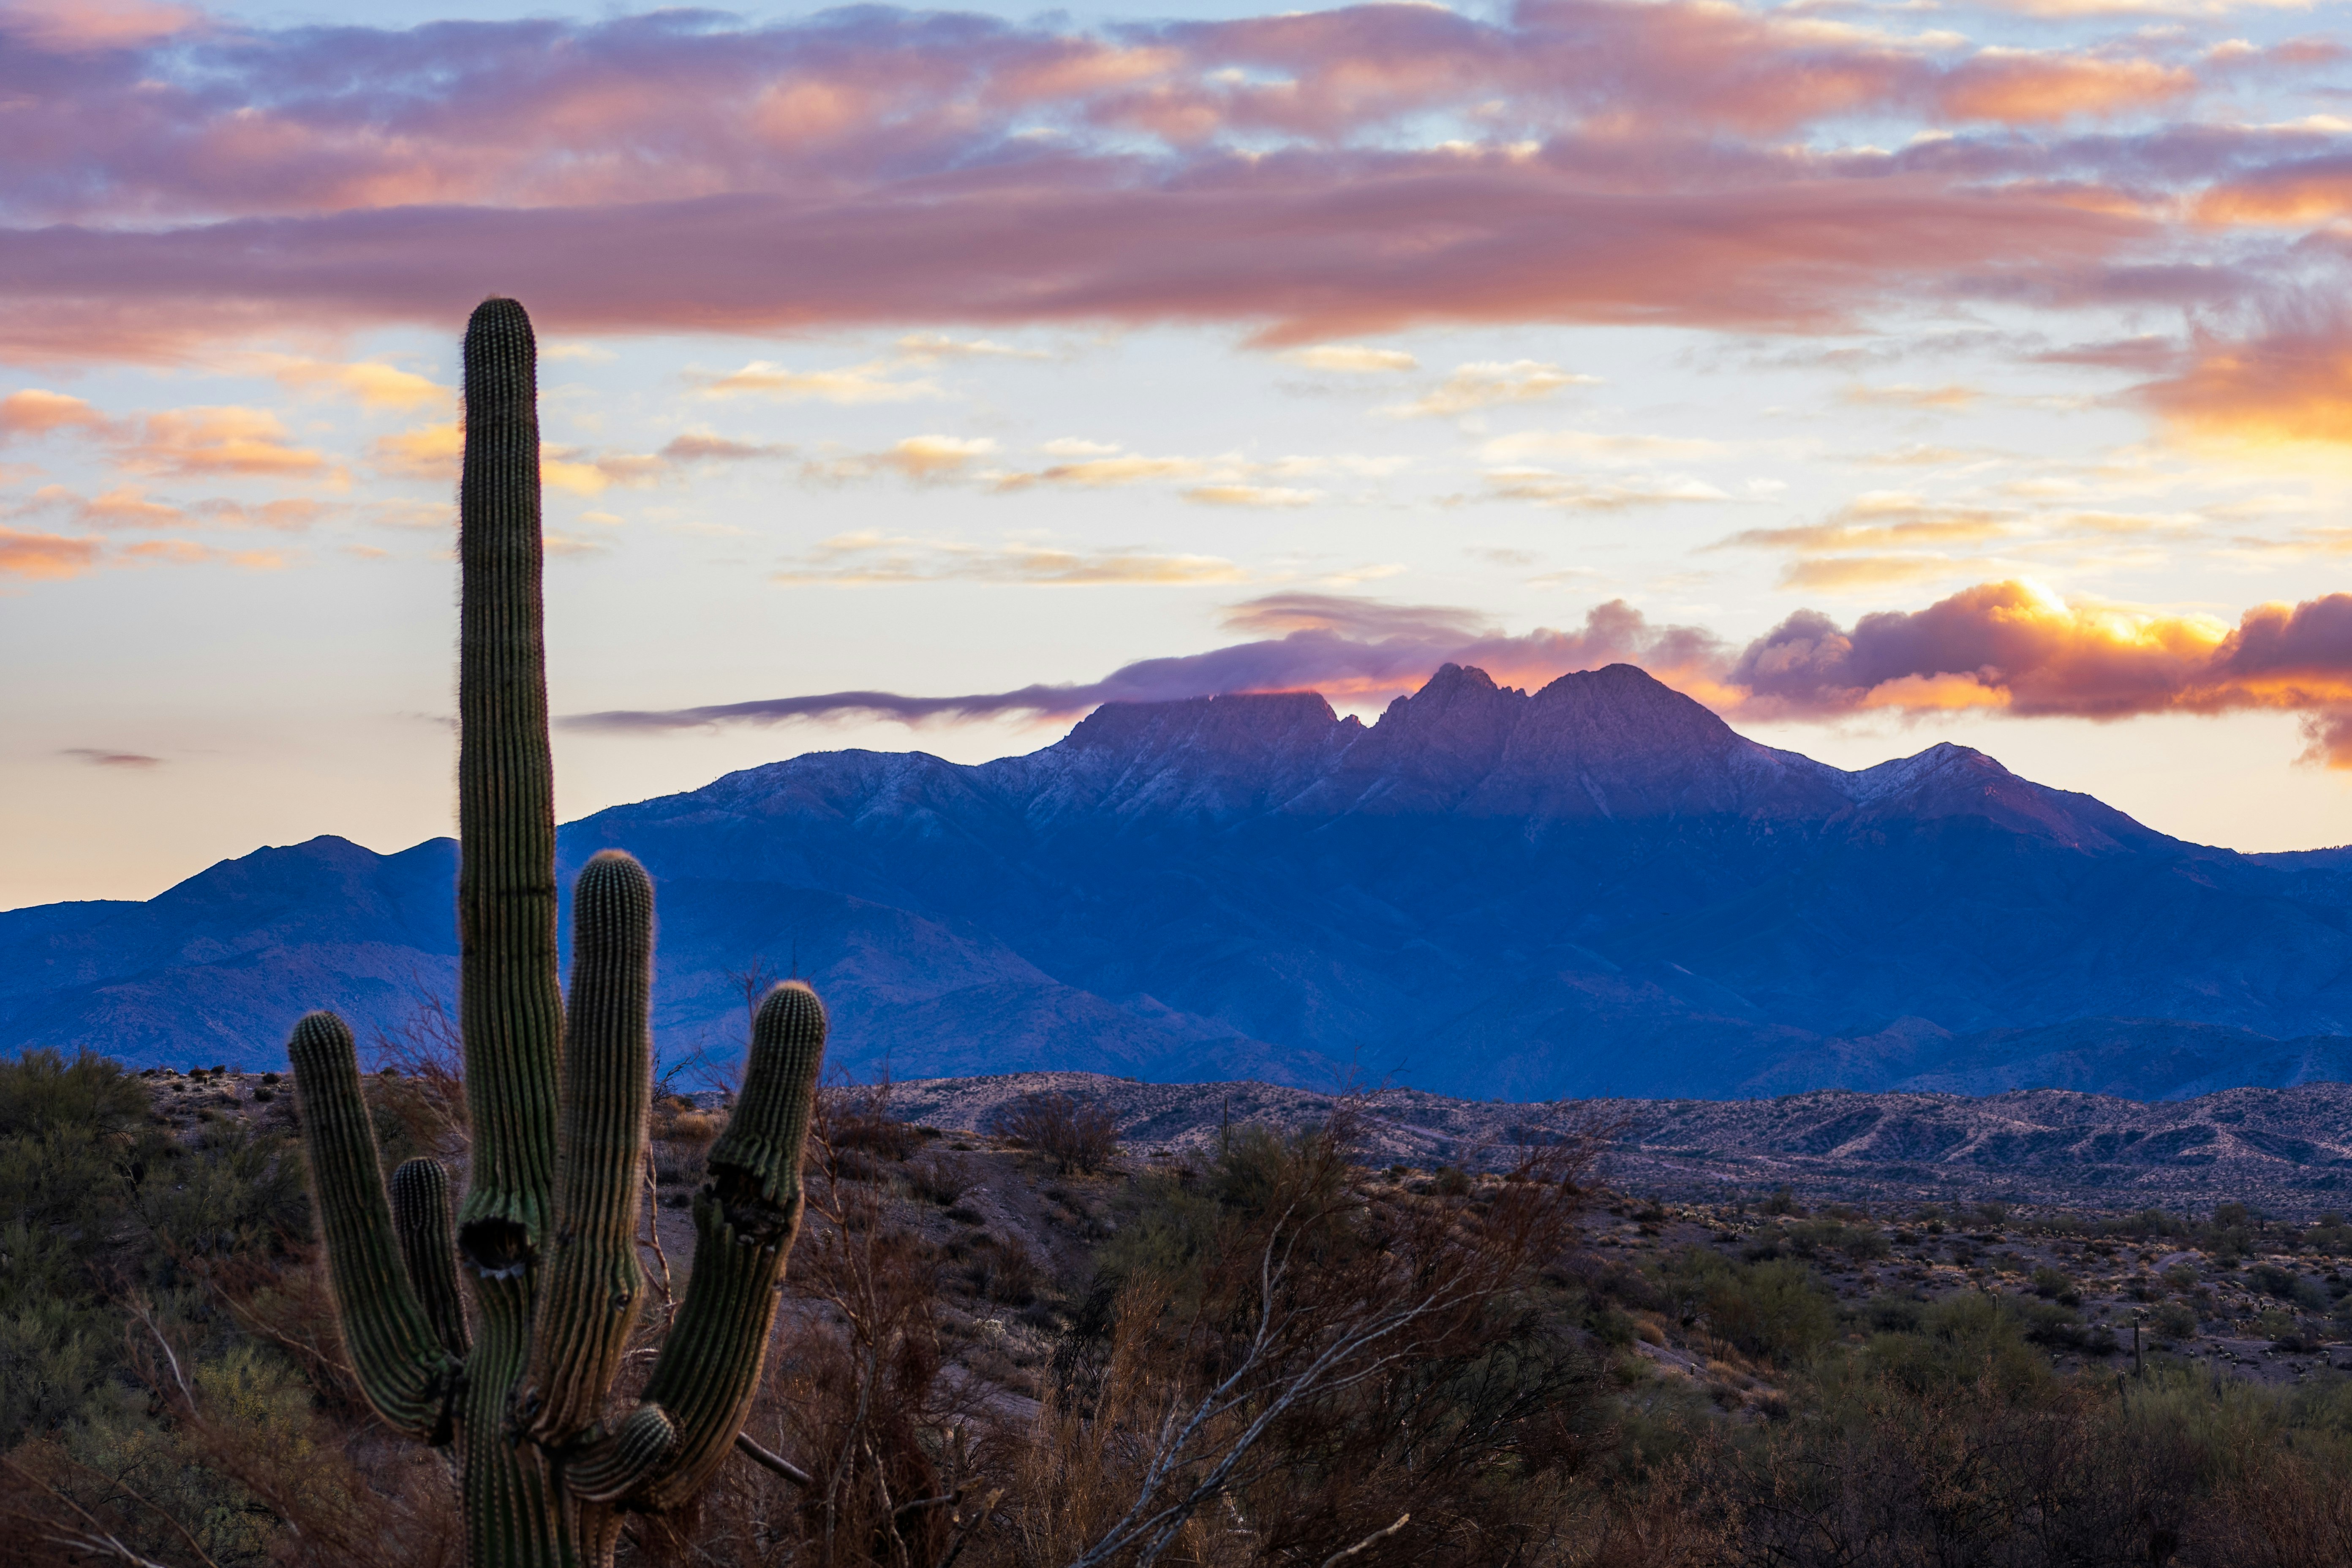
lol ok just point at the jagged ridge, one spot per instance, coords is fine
(1595, 888)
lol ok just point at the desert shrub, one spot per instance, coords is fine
(1962, 1342)
(1774, 1309)
(41, 1091)
(419, 1096)
(2173, 1321)
(942, 1179)
(1077, 1136)
(171, 1382)
(1341, 1363)
(1893, 1314)
(2286, 1285)
(1003, 1268)
(1815, 1236)
(2053, 1284)
(856, 1120)
(2053, 1324)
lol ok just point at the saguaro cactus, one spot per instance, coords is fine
(547, 1233)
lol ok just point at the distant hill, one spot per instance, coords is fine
(1597, 889)
(2286, 1151)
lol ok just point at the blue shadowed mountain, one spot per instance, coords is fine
(1597, 888)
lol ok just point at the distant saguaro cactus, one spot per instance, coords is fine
(547, 1233)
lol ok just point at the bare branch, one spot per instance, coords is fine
(769, 1459)
(1372, 1540)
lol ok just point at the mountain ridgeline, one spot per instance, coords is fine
(1598, 888)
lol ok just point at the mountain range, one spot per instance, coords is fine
(1595, 889)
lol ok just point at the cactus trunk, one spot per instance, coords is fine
(546, 1238)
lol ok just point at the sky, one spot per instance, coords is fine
(1878, 375)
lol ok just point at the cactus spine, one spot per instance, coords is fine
(547, 1233)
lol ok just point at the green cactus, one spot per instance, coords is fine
(547, 1233)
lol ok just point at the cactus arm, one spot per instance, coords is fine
(403, 1369)
(510, 1008)
(590, 1283)
(420, 1216)
(745, 1218)
(612, 1469)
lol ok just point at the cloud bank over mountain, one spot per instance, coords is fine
(2008, 645)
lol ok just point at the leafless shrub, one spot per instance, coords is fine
(1077, 1137)
(1003, 1270)
(855, 1119)
(682, 1137)
(420, 1066)
(2282, 1509)
(854, 1398)
(1343, 1355)
(942, 1179)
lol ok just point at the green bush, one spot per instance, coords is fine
(1775, 1309)
(1964, 1342)
(97, 1206)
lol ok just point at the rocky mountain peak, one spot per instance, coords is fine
(1239, 725)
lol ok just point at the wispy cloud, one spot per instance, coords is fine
(921, 459)
(1252, 496)
(375, 385)
(1586, 492)
(1353, 359)
(878, 382)
(871, 557)
(45, 555)
(100, 757)
(1484, 385)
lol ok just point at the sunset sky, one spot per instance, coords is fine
(1879, 375)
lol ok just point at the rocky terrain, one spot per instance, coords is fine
(1595, 889)
(2287, 1151)
(2217, 1282)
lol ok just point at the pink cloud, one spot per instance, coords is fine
(34, 412)
(40, 555)
(1305, 248)
(2003, 646)
(1615, 162)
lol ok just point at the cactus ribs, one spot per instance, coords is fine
(558, 1101)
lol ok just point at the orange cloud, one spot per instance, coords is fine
(1474, 387)
(218, 440)
(127, 507)
(124, 506)
(2289, 388)
(188, 553)
(2288, 200)
(1103, 473)
(375, 385)
(924, 460)
(34, 412)
(1252, 496)
(40, 555)
(2026, 650)
(427, 452)
(1949, 398)
(2019, 88)
(567, 469)
(869, 557)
